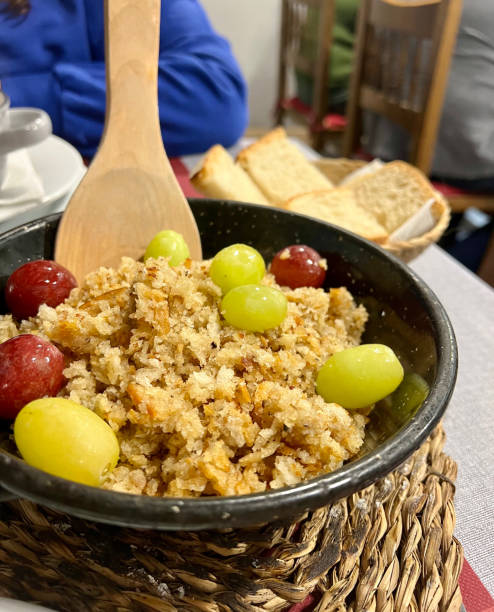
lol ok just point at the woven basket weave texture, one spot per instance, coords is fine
(387, 548)
(337, 169)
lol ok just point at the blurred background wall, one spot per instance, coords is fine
(242, 23)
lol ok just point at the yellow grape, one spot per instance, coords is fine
(409, 396)
(254, 307)
(66, 439)
(168, 244)
(359, 376)
(236, 265)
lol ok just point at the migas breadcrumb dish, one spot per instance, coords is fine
(200, 407)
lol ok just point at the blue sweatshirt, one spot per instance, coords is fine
(54, 59)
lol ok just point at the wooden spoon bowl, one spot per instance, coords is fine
(129, 192)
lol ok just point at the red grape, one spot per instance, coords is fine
(30, 368)
(35, 283)
(298, 266)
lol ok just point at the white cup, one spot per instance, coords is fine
(20, 128)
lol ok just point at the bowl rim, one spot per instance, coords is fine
(170, 513)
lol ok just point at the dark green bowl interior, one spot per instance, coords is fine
(404, 314)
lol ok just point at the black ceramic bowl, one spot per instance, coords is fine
(404, 314)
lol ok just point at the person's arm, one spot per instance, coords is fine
(202, 95)
(74, 96)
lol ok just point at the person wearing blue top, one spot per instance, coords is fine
(52, 57)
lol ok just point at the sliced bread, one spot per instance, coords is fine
(279, 169)
(392, 194)
(218, 176)
(338, 206)
(337, 169)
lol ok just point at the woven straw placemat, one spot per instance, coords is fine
(388, 547)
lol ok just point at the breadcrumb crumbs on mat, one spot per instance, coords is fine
(199, 407)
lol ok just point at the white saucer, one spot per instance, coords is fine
(60, 168)
(59, 165)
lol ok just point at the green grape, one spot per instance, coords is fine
(236, 265)
(254, 307)
(409, 396)
(66, 439)
(168, 244)
(359, 376)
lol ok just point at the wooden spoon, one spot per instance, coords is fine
(129, 192)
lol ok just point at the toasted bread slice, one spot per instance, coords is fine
(393, 193)
(338, 206)
(279, 169)
(337, 169)
(218, 176)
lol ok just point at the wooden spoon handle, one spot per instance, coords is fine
(132, 35)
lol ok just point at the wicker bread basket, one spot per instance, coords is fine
(337, 169)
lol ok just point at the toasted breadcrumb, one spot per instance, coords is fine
(199, 407)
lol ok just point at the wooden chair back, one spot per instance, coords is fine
(402, 58)
(294, 16)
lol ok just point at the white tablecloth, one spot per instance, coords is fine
(469, 420)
